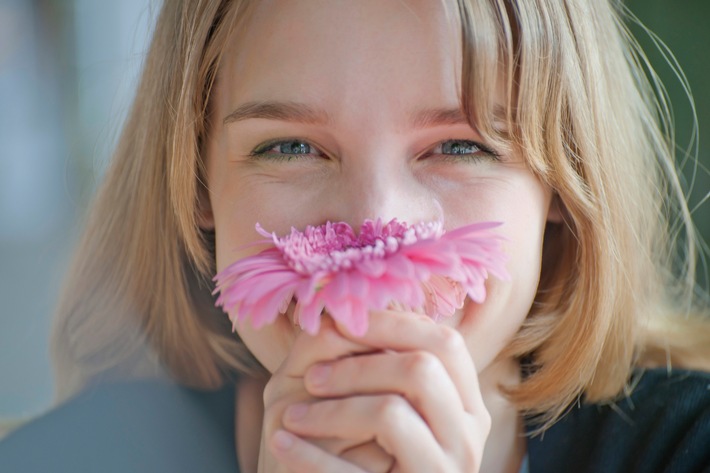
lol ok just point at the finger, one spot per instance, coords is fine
(388, 419)
(403, 331)
(418, 376)
(370, 457)
(327, 344)
(301, 456)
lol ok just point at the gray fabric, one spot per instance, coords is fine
(129, 428)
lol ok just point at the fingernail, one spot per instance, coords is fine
(296, 412)
(283, 440)
(319, 374)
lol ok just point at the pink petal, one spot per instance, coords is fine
(348, 274)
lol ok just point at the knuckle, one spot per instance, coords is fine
(469, 459)
(329, 339)
(469, 454)
(272, 419)
(450, 340)
(485, 421)
(328, 333)
(390, 408)
(422, 366)
(272, 391)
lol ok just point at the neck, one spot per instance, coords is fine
(506, 444)
(249, 414)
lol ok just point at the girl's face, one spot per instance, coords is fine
(342, 111)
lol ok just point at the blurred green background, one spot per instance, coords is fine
(683, 26)
(67, 74)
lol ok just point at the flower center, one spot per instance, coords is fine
(335, 246)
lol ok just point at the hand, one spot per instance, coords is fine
(414, 393)
(286, 387)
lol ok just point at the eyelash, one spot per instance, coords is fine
(264, 150)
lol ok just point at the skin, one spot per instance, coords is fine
(421, 396)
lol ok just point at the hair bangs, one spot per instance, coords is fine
(487, 71)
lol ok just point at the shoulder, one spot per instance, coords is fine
(663, 425)
(133, 427)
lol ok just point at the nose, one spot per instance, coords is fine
(380, 185)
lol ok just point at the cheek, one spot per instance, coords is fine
(237, 207)
(235, 223)
(489, 327)
(239, 204)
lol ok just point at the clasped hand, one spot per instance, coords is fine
(403, 398)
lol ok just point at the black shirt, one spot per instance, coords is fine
(664, 426)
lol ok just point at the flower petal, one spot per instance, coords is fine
(389, 264)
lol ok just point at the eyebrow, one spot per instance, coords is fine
(437, 116)
(302, 113)
(273, 110)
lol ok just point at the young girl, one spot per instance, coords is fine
(532, 113)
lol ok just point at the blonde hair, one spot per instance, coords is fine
(579, 108)
(137, 300)
(582, 111)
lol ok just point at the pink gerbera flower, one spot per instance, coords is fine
(414, 267)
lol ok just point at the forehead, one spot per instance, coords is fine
(343, 51)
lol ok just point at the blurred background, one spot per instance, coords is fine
(67, 73)
(68, 69)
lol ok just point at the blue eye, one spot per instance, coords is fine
(293, 147)
(285, 149)
(463, 150)
(459, 147)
